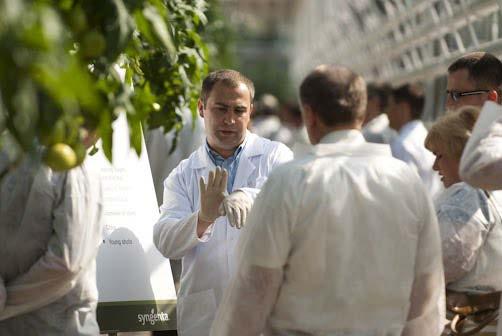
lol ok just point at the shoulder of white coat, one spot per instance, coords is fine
(189, 161)
(293, 171)
(461, 195)
(183, 169)
(268, 147)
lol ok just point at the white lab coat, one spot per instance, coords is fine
(409, 147)
(50, 231)
(336, 243)
(481, 163)
(208, 262)
(377, 130)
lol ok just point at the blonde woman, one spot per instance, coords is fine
(471, 228)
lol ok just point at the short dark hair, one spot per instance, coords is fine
(335, 93)
(484, 68)
(380, 91)
(231, 78)
(413, 95)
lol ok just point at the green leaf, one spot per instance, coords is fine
(106, 133)
(136, 134)
(160, 29)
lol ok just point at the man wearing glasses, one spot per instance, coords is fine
(473, 79)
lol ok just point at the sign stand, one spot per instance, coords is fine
(135, 283)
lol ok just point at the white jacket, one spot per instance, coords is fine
(481, 163)
(471, 234)
(343, 241)
(50, 232)
(208, 262)
(377, 130)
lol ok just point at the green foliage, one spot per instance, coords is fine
(65, 64)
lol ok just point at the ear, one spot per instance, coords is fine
(493, 96)
(200, 108)
(251, 109)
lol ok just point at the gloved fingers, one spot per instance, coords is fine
(202, 186)
(224, 180)
(237, 217)
(210, 179)
(244, 214)
(217, 177)
(221, 209)
(230, 215)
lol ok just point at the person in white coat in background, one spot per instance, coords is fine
(342, 241)
(476, 79)
(197, 194)
(470, 222)
(404, 112)
(50, 232)
(376, 124)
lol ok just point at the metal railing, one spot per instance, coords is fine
(395, 41)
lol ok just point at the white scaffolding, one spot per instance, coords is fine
(395, 41)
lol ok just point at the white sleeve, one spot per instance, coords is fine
(266, 244)
(462, 235)
(175, 233)
(481, 162)
(72, 248)
(426, 310)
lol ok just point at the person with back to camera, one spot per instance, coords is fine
(404, 112)
(342, 241)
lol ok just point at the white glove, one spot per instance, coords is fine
(212, 194)
(3, 294)
(236, 207)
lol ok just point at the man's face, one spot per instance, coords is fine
(459, 81)
(226, 117)
(447, 167)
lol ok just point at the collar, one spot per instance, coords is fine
(351, 135)
(213, 155)
(348, 142)
(409, 126)
(252, 147)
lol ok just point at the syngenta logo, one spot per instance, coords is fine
(153, 317)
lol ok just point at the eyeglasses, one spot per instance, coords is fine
(455, 95)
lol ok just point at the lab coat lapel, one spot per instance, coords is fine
(246, 167)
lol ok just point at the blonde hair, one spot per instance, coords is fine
(451, 132)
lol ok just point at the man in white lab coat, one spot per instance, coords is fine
(197, 194)
(342, 241)
(474, 79)
(376, 124)
(50, 232)
(404, 112)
